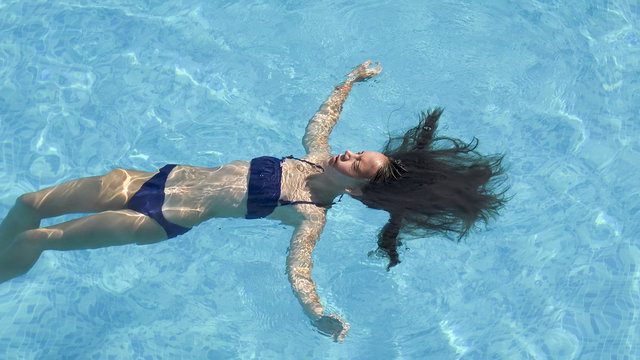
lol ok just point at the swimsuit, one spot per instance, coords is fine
(149, 199)
(265, 178)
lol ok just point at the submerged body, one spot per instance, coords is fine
(431, 184)
(141, 207)
(193, 195)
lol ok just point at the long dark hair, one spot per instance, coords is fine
(434, 186)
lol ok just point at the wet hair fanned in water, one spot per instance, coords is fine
(434, 186)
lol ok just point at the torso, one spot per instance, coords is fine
(196, 194)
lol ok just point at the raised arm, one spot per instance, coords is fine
(299, 265)
(316, 137)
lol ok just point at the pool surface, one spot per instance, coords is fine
(87, 86)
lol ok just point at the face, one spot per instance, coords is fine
(361, 165)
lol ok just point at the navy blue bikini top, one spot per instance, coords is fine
(265, 178)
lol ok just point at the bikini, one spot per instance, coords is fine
(149, 199)
(265, 178)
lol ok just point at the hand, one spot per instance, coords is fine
(363, 71)
(332, 325)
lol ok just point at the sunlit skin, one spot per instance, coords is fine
(194, 195)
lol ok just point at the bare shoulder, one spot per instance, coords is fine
(317, 157)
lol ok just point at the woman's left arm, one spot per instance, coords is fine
(299, 266)
(316, 137)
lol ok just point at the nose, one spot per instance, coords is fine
(348, 153)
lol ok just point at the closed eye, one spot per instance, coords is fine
(356, 165)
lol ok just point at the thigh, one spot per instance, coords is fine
(88, 195)
(109, 228)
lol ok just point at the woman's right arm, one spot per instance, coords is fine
(316, 137)
(299, 266)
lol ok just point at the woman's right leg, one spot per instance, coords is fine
(86, 195)
(109, 228)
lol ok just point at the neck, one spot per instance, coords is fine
(330, 183)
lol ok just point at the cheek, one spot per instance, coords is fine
(345, 169)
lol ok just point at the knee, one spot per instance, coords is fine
(27, 209)
(28, 202)
(26, 246)
(34, 241)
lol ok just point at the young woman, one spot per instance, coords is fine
(423, 187)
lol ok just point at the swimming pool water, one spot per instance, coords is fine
(87, 86)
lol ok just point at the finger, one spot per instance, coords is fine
(360, 68)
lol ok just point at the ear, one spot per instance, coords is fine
(355, 192)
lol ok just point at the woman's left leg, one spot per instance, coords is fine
(85, 195)
(104, 229)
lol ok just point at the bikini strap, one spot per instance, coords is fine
(285, 202)
(304, 161)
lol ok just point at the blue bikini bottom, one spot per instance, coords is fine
(149, 199)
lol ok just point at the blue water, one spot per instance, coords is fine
(86, 86)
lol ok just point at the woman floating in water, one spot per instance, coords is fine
(431, 185)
